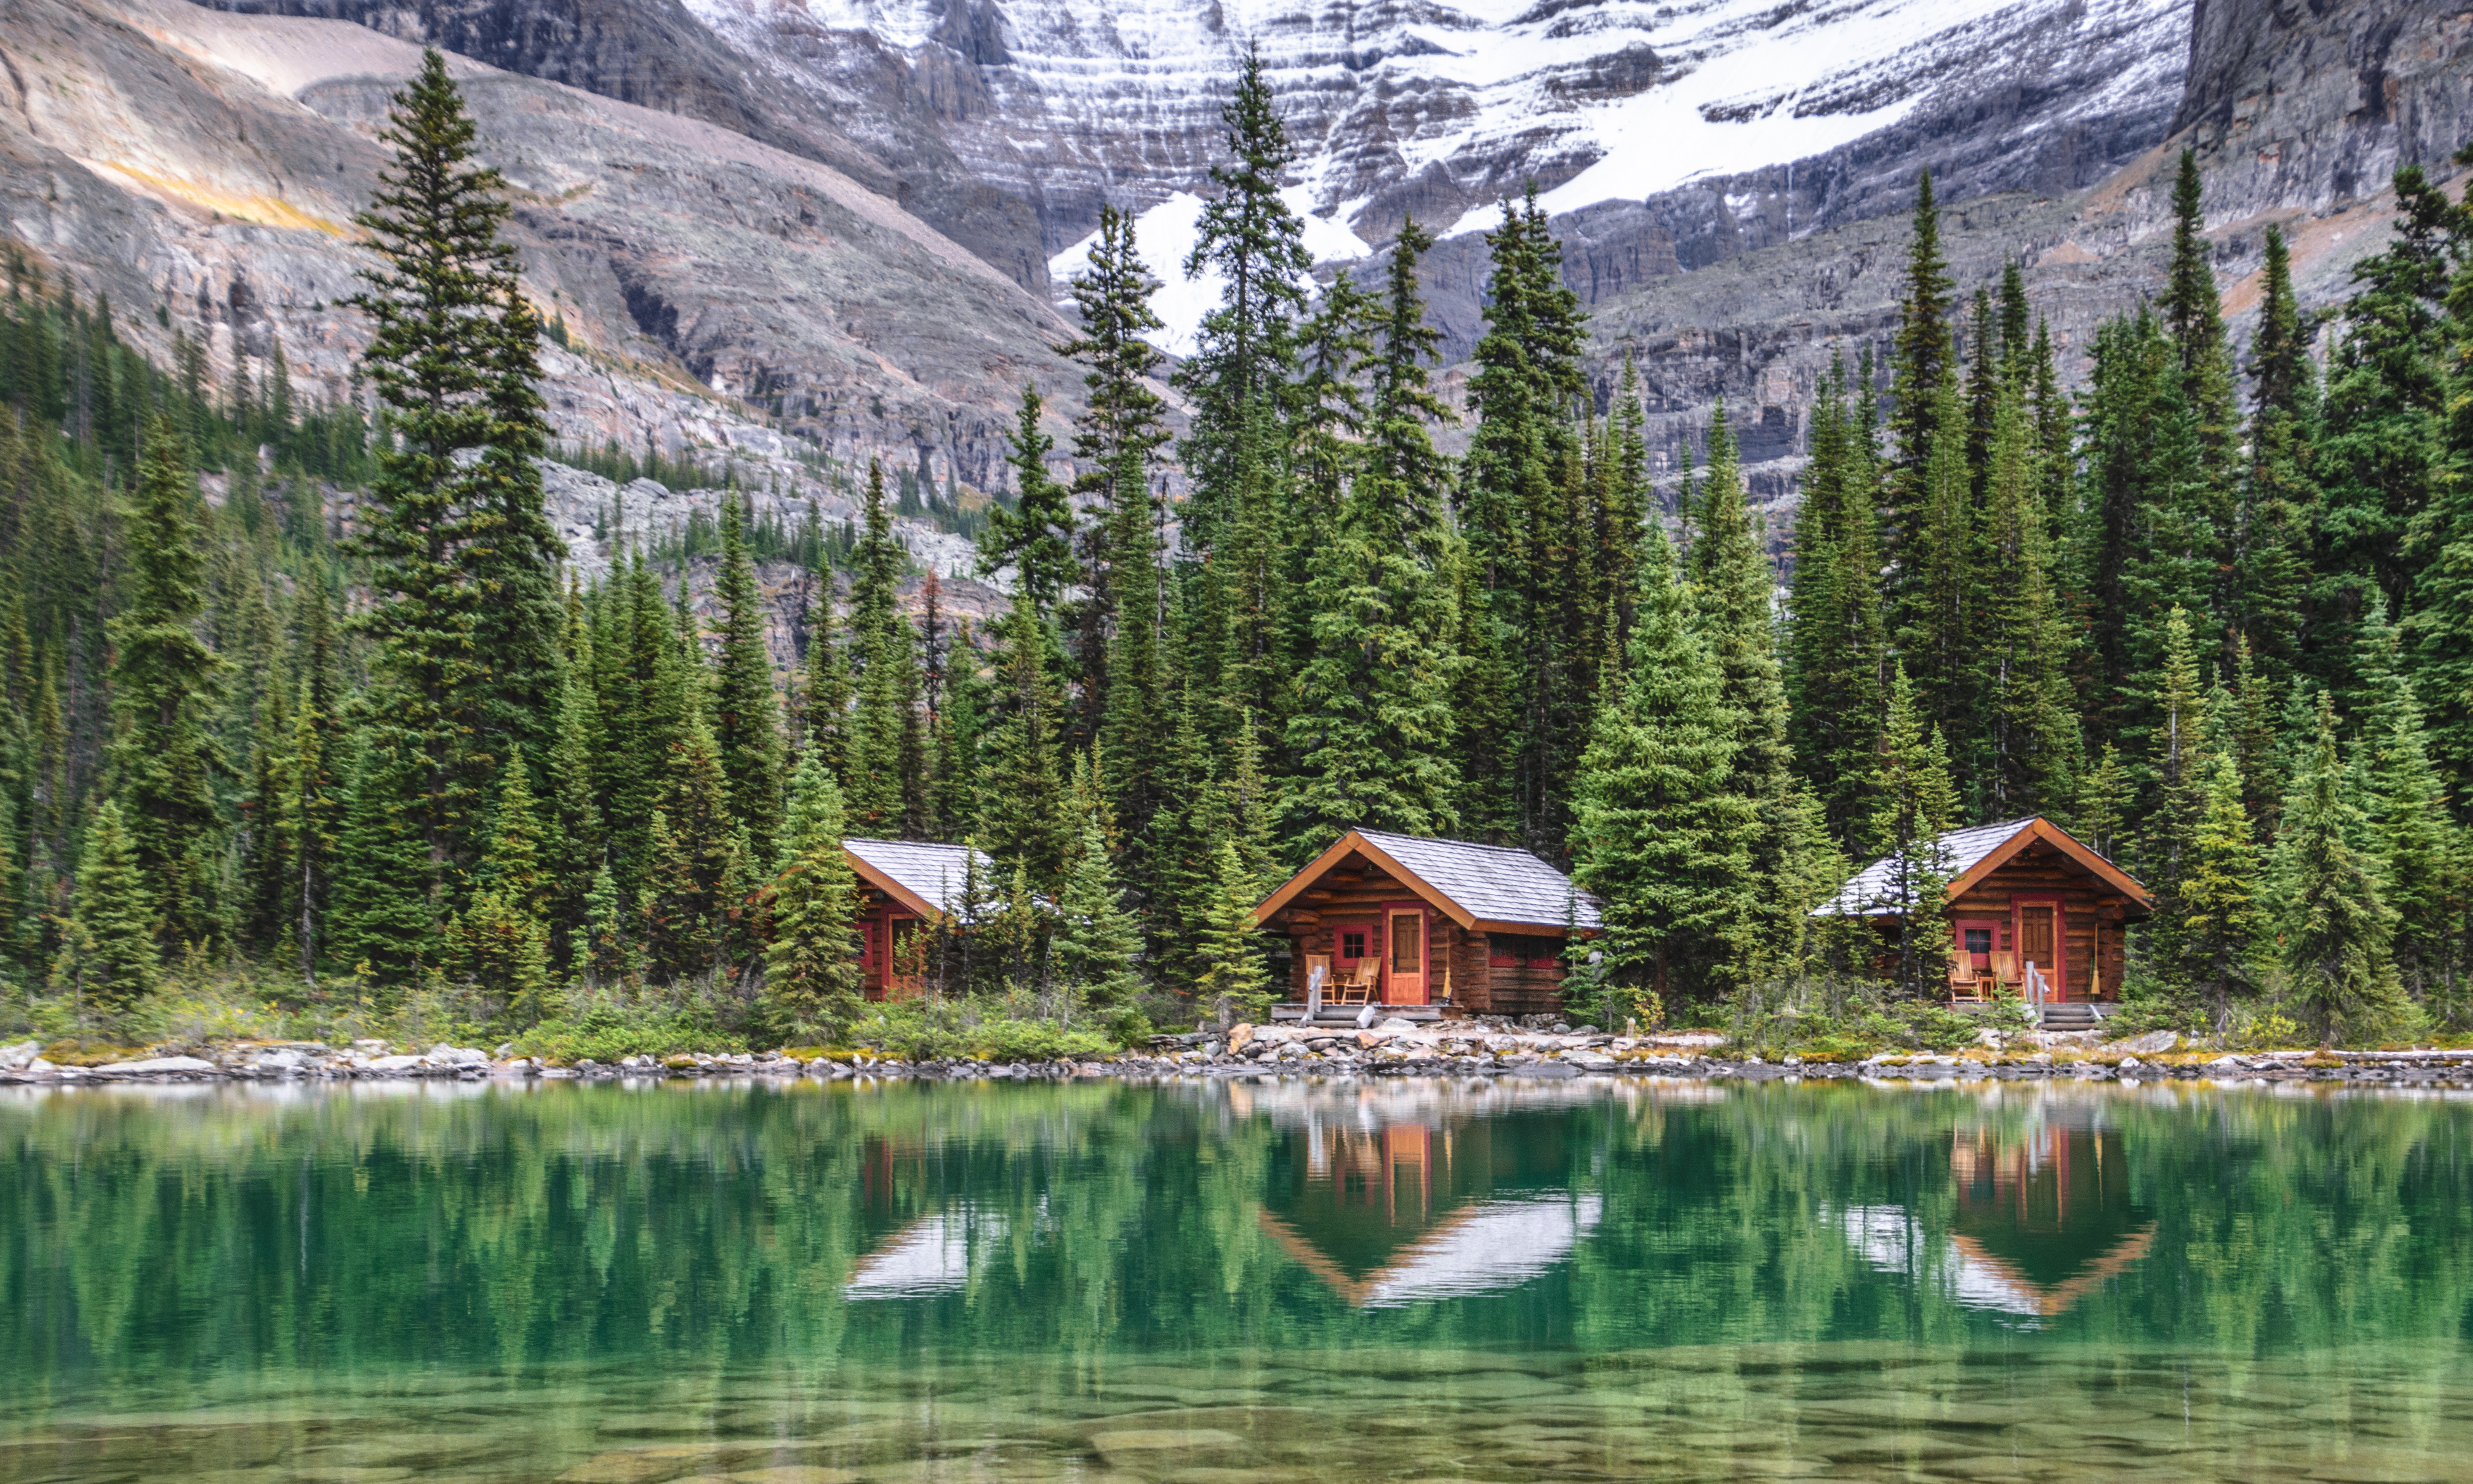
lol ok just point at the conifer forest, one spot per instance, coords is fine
(2210, 611)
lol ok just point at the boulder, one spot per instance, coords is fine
(2148, 1044)
(444, 1055)
(21, 1055)
(1395, 1024)
(161, 1066)
(394, 1064)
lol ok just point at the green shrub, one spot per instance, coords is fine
(1937, 1027)
(919, 1031)
(602, 1030)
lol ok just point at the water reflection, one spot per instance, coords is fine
(1397, 1194)
(897, 1283)
(2043, 1215)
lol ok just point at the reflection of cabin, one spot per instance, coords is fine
(904, 886)
(2021, 892)
(1394, 919)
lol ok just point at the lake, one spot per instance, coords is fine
(633, 1284)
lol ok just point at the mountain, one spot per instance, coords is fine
(203, 169)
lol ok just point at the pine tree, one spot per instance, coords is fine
(2268, 572)
(1035, 538)
(2031, 744)
(268, 879)
(811, 973)
(824, 696)
(2222, 920)
(2411, 841)
(1023, 813)
(1924, 361)
(1733, 588)
(462, 559)
(1914, 805)
(1097, 938)
(502, 941)
(311, 805)
(108, 956)
(165, 683)
(1254, 244)
(2334, 929)
(1228, 955)
(1662, 840)
(2177, 769)
(1116, 441)
(699, 867)
(746, 714)
(883, 641)
(382, 920)
(1837, 645)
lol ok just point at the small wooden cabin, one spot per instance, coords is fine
(2019, 892)
(1480, 927)
(906, 886)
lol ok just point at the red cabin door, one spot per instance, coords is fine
(2040, 942)
(1405, 952)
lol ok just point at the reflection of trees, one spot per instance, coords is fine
(704, 1227)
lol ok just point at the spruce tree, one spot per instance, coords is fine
(2335, 930)
(826, 693)
(1116, 441)
(883, 722)
(502, 941)
(698, 870)
(165, 683)
(311, 807)
(267, 875)
(2032, 750)
(2416, 848)
(1913, 806)
(1836, 643)
(1230, 978)
(107, 957)
(811, 975)
(2269, 575)
(1662, 839)
(1733, 588)
(745, 713)
(1924, 360)
(382, 920)
(2222, 919)
(1023, 813)
(462, 559)
(1097, 938)
(1035, 538)
(2177, 769)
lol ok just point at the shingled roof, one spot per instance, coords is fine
(1490, 888)
(924, 878)
(1963, 856)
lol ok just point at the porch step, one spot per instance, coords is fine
(2073, 1015)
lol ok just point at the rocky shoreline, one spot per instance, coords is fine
(1395, 1049)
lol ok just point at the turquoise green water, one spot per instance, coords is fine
(617, 1284)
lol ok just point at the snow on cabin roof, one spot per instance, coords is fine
(1873, 890)
(1494, 882)
(933, 874)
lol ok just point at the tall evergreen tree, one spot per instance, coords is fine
(382, 920)
(812, 973)
(1913, 806)
(165, 684)
(2333, 928)
(1926, 357)
(1035, 538)
(1837, 642)
(825, 695)
(747, 720)
(107, 957)
(2223, 922)
(502, 940)
(1663, 840)
(1097, 938)
(461, 558)
(2267, 564)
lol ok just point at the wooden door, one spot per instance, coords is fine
(1403, 971)
(2039, 942)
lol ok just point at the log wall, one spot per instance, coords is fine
(1476, 984)
(2091, 914)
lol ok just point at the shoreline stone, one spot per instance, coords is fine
(1471, 1048)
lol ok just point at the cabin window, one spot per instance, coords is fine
(1979, 940)
(1352, 944)
(1515, 950)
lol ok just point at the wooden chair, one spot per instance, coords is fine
(1964, 984)
(1358, 988)
(2006, 972)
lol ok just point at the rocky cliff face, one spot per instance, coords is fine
(202, 168)
(653, 54)
(2309, 105)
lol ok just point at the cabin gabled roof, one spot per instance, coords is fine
(920, 875)
(1485, 887)
(1966, 856)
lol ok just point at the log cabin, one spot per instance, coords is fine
(1431, 922)
(2021, 892)
(905, 887)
